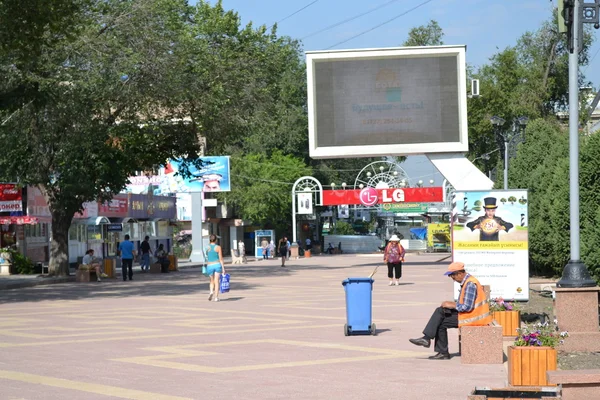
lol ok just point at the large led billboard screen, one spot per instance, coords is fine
(400, 101)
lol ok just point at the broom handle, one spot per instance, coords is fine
(373, 273)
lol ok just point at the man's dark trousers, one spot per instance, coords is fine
(127, 263)
(437, 328)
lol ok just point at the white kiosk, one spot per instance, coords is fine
(267, 234)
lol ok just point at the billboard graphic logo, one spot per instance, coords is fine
(387, 80)
(368, 196)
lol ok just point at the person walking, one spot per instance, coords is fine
(393, 255)
(283, 249)
(146, 251)
(289, 248)
(272, 250)
(242, 249)
(127, 253)
(472, 309)
(214, 267)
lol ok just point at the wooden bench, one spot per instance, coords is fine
(236, 259)
(85, 273)
(577, 384)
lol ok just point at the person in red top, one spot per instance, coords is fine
(472, 308)
(393, 255)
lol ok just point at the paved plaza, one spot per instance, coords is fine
(277, 335)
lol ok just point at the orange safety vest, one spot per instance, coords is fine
(480, 314)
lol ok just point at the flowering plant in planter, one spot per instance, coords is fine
(540, 334)
(500, 305)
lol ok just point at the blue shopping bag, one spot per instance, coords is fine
(224, 283)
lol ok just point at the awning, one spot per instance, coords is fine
(125, 220)
(91, 221)
(22, 220)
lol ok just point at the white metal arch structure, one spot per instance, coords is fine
(305, 184)
(382, 175)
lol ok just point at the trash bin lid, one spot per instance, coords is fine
(357, 280)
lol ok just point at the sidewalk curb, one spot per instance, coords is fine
(36, 282)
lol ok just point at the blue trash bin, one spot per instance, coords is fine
(358, 306)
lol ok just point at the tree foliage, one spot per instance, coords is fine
(102, 89)
(529, 79)
(425, 35)
(261, 189)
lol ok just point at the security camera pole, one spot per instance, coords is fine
(572, 14)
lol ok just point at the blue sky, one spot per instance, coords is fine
(484, 26)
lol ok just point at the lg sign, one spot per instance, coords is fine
(370, 197)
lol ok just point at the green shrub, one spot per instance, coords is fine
(20, 263)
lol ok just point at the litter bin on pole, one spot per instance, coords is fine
(359, 306)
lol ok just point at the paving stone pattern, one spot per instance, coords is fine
(278, 334)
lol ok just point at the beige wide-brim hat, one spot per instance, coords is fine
(394, 238)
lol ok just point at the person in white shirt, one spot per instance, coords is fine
(242, 249)
(92, 262)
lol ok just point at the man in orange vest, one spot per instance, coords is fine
(472, 309)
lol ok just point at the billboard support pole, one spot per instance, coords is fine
(197, 239)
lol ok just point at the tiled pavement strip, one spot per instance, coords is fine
(277, 335)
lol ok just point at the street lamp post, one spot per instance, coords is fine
(575, 273)
(518, 128)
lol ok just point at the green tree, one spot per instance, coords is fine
(536, 167)
(529, 79)
(80, 104)
(262, 188)
(425, 35)
(344, 228)
(109, 88)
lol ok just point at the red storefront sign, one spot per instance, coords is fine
(24, 220)
(409, 195)
(117, 207)
(11, 198)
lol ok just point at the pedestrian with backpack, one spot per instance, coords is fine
(394, 256)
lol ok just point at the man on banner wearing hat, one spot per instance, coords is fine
(489, 225)
(471, 309)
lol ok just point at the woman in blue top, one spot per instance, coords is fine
(214, 267)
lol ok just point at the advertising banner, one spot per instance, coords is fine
(214, 176)
(405, 208)
(305, 203)
(11, 198)
(140, 184)
(343, 211)
(490, 235)
(386, 101)
(438, 235)
(370, 196)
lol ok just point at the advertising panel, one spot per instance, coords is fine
(372, 102)
(405, 208)
(370, 196)
(305, 203)
(490, 235)
(343, 211)
(438, 236)
(214, 176)
(11, 198)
